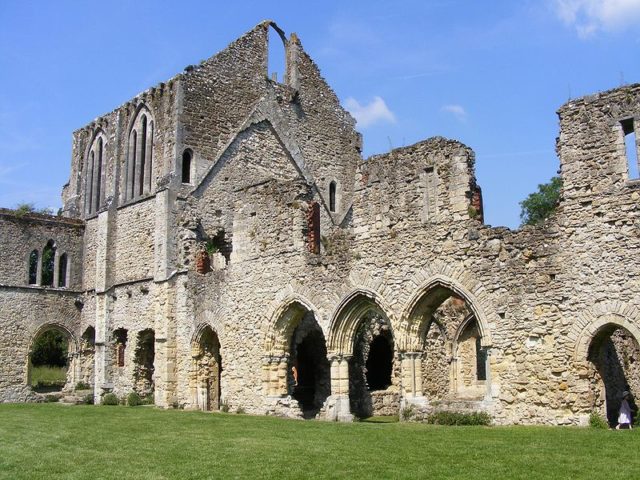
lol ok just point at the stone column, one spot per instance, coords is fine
(101, 379)
(101, 359)
(165, 360)
(411, 376)
(337, 405)
(274, 374)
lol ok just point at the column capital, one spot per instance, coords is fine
(339, 357)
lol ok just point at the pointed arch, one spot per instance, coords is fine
(348, 315)
(283, 321)
(428, 297)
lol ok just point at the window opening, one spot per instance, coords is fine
(62, 270)
(481, 360)
(48, 262)
(143, 154)
(150, 159)
(120, 338)
(33, 268)
(186, 166)
(332, 196)
(276, 60)
(134, 155)
(90, 182)
(631, 147)
(96, 204)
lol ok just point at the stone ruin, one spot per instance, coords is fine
(224, 245)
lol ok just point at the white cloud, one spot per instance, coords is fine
(374, 112)
(591, 16)
(457, 111)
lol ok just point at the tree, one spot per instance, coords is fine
(541, 204)
(50, 349)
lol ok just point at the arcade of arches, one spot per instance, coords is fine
(367, 365)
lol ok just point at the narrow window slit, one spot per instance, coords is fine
(631, 148)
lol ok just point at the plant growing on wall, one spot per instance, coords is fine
(541, 204)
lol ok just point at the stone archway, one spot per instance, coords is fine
(613, 357)
(52, 359)
(362, 348)
(296, 364)
(207, 369)
(447, 340)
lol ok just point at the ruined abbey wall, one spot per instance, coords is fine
(230, 247)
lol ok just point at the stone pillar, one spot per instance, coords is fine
(165, 360)
(411, 378)
(165, 326)
(274, 368)
(101, 359)
(337, 405)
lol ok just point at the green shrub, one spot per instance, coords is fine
(148, 400)
(82, 386)
(407, 413)
(596, 421)
(133, 399)
(51, 399)
(110, 399)
(240, 411)
(88, 399)
(459, 418)
(224, 408)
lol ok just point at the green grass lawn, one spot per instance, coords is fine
(45, 377)
(52, 441)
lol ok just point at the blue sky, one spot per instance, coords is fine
(490, 74)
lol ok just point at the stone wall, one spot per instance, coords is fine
(476, 317)
(24, 233)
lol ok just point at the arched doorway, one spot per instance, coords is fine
(51, 356)
(445, 331)
(614, 357)
(296, 363)
(144, 363)
(208, 370)
(309, 369)
(371, 368)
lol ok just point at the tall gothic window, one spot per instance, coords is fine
(94, 177)
(139, 171)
